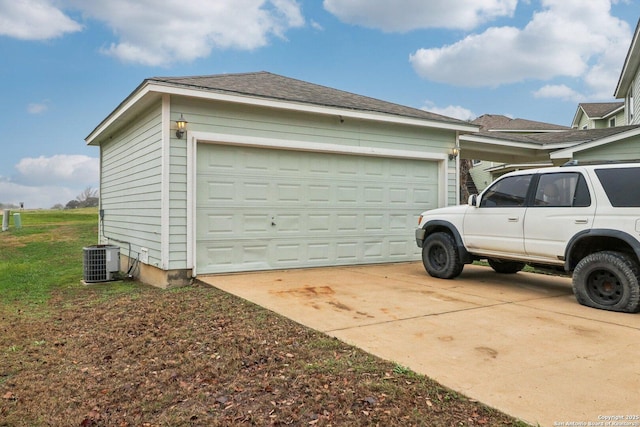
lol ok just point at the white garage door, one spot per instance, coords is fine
(262, 209)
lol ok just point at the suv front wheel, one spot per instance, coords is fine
(608, 280)
(440, 256)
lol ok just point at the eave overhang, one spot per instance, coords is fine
(630, 67)
(150, 91)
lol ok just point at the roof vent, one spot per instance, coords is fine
(101, 262)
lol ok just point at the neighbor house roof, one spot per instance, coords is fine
(276, 91)
(571, 136)
(500, 123)
(630, 67)
(596, 110)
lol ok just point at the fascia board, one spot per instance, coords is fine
(613, 112)
(518, 144)
(576, 120)
(500, 142)
(135, 97)
(630, 66)
(527, 131)
(317, 109)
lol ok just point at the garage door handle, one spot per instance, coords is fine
(514, 219)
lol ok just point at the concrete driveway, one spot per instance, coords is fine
(519, 343)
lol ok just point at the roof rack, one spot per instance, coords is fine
(597, 162)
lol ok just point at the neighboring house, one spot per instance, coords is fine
(622, 146)
(629, 82)
(483, 172)
(270, 173)
(598, 115)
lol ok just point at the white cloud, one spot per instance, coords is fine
(77, 170)
(455, 111)
(160, 33)
(570, 38)
(42, 182)
(407, 15)
(34, 20)
(38, 107)
(562, 92)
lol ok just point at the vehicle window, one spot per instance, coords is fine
(562, 190)
(621, 186)
(511, 191)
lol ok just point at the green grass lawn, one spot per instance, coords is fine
(44, 255)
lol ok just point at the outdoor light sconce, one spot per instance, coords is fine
(454, 152)
(181, 126)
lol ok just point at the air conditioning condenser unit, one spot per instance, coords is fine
(101, 263)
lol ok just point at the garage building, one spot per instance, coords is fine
(269, 173)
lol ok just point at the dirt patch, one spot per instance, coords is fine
(197, 356)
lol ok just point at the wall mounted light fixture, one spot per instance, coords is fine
(181, 126)
(454, 152)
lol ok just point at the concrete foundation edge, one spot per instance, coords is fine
(155, 276)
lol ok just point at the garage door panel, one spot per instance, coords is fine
(319, 193)
(374, 195)
(374, 222)
(289, 193)
(422, 196)
(287, 209)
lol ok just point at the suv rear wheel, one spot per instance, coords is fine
(505, 267)
(608, 280)
(440, 256)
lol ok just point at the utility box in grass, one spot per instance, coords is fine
(101, 263)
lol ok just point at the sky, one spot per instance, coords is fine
(67, 64)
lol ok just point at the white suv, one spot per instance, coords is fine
(582, 219)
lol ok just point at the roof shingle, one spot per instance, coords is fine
(497, 122)
(600, 109)
(273, 86)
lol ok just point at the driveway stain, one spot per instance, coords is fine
(487, 351)
(339, 305)
(306, 291)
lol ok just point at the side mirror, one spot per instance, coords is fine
(473, 200)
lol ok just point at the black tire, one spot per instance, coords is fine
(505, 267)
(440, 256)
(609, 281)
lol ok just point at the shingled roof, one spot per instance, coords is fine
(273, 86)
(600, 109)
(497, 123)
(569, 136)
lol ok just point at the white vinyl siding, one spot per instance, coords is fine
(130, 190)
(264, 208)
(620, 118)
